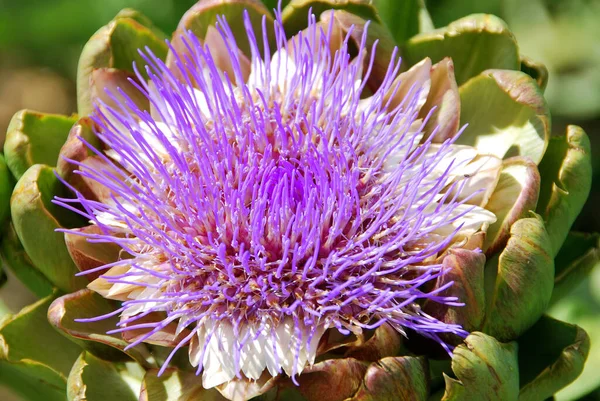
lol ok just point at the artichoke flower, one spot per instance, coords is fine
(323, 201)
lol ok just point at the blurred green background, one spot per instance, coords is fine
(40, 42)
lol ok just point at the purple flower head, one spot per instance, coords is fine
(266, 200)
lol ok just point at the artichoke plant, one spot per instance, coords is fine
(307, 200)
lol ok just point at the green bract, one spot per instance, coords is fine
(507, 278)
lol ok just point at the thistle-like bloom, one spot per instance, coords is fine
(266, 202)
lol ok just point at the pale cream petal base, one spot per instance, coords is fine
(272, 348)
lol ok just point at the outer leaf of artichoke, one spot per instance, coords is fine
(36, 219)
(390, 378)
(115, 46)
(31, 352)
(35, 138)
(515, 195)
(395, 378)
(93, 379)
(466, 269)
(205, 14)
(175, 385)
(519, 282)
(475, 43)
(19, 263)
(551, 355)
(535, 70)
(485, 369)
(405, 19)
(445, 11)
(91, 336)
(566, 172)
(506, 115)
(295, 14)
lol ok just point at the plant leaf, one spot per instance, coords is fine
(91, 336)
(475, 43)
(36, 219)
(515, 195)
(18, 262)
(35, 138)
(31, 349)
(466, 269)
(176, 385)
(520, 280)
(115, 46)
(506, 115)
(486, 370)
(295, 14)
(535, 70)
(566, 172)
(92, 379)
(395, 378)
(402, 18)
(203, 15)
(551, 355)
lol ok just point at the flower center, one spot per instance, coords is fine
(284, 206)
